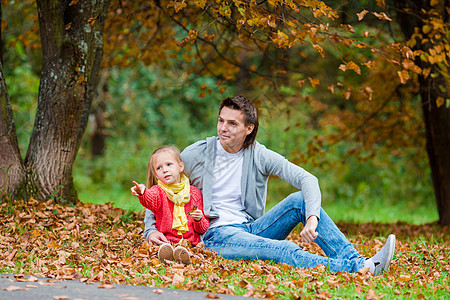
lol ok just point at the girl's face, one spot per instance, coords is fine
(167, 168)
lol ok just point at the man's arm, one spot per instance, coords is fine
(275, 164)
(152, 235)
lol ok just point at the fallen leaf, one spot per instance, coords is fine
(177, 279)
(13, 288)
(404, 278)
(371, 295)
(31, 286)
(106, 286)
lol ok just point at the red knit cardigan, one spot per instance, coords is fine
(156, 200)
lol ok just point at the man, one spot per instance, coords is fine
(232, 172)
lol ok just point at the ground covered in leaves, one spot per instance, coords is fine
(99, 243)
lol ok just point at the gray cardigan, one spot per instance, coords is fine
(259, 163)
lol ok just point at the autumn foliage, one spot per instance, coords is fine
(100, 243)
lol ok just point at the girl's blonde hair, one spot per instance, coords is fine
(151, 174)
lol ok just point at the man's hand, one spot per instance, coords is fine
(309, 232)
(137, 189)
(197, 215)
(157, 238)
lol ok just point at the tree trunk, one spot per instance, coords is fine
(12, 173)
(71, 37)
(98, 137)
(437, 122)
(437, 119)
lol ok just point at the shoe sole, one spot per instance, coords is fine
(165, 252)
(181, 255)
(391, 241)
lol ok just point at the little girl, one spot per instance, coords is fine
(177, 205)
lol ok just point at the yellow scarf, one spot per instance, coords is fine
(179, 194)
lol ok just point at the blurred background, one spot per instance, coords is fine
(369, 154)
(142, 108)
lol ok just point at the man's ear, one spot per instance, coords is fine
(250, 128)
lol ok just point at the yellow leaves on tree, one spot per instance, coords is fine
(368, 91)
(201, 3)
(314, 82)
(350, 66)
(440, 101)
(362, 14)
(208, 37)
(320, 50)
(205, 90)
(381, 15)
(381, 3)
(191, 38)
(274, 2)
(281, 40)
(178, 6)
(348, 28)
(259, 26)
(373, 120)
(410, 65)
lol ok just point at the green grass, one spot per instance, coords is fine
(120, 198)
(382, 212)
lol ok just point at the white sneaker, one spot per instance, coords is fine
(380, 262)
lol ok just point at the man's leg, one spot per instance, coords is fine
(279, 221)
(264, 239)
(235, 242)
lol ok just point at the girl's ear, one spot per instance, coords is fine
(181, 166)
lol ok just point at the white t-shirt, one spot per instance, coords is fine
(226, 189)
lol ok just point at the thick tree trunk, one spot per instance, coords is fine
(98, 137)
(71, 37)
(12, 173)
(437, 122)
(437, 119)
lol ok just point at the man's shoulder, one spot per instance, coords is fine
(263, 154)
(196, 148)
(259, 148)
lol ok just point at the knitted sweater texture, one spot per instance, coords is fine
(155, 199)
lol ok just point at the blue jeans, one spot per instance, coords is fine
(264, 239)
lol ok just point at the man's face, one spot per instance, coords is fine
(231, 129)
